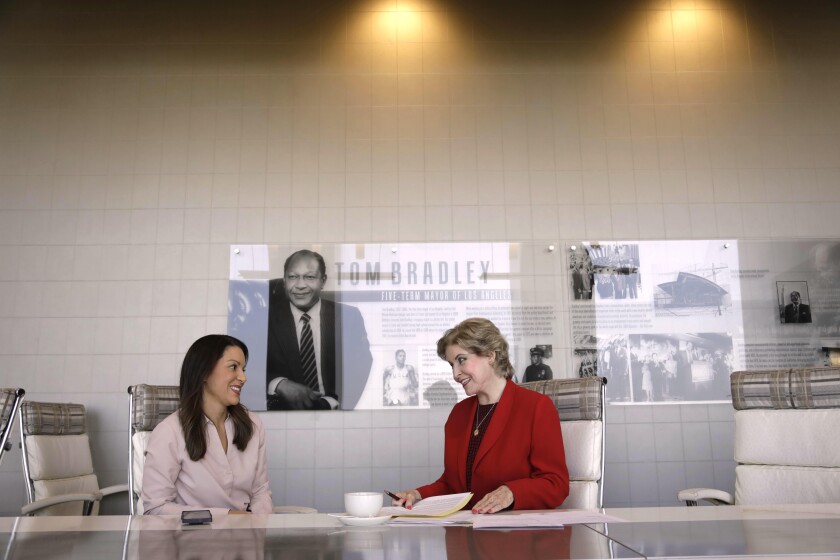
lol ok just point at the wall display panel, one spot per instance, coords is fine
(664, 321)
(380, 311)
(668, 321)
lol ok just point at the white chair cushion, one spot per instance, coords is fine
(76, 485)
(582, 443)
(52, 457)
(140, 441)
(766, 484)
(582, 495)
(787, 437)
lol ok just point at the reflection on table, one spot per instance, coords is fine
(700, 532)
(197, 542)
(372, 543)
(730, 538)
(317, 538)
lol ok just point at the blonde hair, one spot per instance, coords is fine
(478, 336)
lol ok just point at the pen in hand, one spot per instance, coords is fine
(394, 496)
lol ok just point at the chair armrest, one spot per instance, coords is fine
(115, 489)
(38, 505)
(717, 497)
(293, 509)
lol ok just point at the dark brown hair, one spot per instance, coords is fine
(199, 363)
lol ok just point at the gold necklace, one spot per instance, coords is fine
(478, 425)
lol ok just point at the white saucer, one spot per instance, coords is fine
(363, 521)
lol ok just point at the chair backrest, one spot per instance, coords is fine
(581, 406)
(784, 436)
(148, 406)
(10, 400)
(56, 454)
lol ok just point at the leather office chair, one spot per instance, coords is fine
(148, 406)
(57, 463)
(581, 406)
(10, 400)
(783, 443)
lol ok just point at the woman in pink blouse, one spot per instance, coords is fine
(210, 454)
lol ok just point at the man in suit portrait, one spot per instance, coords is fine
(797, 312)
(318, 355)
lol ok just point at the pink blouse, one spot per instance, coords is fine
(219, 481)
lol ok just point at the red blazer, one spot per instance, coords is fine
(522, 448)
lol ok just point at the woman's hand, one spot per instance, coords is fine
(497, 500)
(407, 498)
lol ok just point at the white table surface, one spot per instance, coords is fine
(700, 532)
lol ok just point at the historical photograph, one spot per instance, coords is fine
(585, 362)
(702, 290)
(614, 365)
(580, 273)
(538, 370)
(399, 382)
(616, 270)
(687, 367)
(794, 304)
(316, 347)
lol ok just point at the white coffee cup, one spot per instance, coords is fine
(363, 504)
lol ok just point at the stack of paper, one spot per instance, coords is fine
(435, 506)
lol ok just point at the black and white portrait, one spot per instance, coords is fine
(794, 304)
(686, 367)
(399, 382)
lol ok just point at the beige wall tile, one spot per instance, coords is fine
(132, 169)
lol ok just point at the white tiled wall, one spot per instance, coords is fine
(137, 142)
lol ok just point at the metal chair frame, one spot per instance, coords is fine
(5, 444)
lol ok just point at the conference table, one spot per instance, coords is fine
(699, 532)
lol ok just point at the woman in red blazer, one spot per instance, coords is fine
(504, 443)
